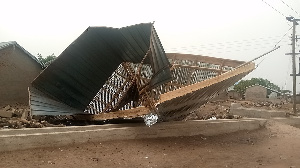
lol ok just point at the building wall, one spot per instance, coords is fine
(297, 99)
(234, 95)
(17, 71)
(256, 93)
(273, 95)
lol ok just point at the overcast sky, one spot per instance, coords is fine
(233, 29)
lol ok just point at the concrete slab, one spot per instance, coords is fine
(293, 121)
(21, 139)
(5, 114)
(237, 109)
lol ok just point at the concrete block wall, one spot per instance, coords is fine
(17, 71)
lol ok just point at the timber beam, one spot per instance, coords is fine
(130, 113)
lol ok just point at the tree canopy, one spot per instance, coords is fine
(46, 61)
(243, 84)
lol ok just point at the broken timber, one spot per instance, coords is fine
(130, 113)
(111, 73)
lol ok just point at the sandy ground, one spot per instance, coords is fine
(277, 146)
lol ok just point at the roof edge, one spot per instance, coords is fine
(4, 45)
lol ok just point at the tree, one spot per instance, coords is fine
(243, 84)
(46, 61)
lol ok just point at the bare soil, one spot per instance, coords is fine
(274, 146)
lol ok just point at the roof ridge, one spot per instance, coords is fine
(257, 84)
(4, 45)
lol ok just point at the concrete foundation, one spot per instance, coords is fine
(293, 121)
(60, 136)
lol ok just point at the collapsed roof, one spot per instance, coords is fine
(125, 73)
(76, 76)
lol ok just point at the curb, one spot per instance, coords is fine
(29, 138)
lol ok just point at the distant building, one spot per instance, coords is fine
(297, 98)
(260, 93)
(273, 95)
(18, 68)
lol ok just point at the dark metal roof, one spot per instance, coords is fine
(4, 45)
(80, 71)
(42, 104)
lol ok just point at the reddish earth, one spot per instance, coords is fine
(275, 146)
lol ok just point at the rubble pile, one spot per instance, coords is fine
(9, 112)
(213, 110)
(17, 123)
(18, 117)
(268, 105)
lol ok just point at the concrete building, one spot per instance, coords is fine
(256, 92)
(260, 93)
(18, 68)
(273, 95)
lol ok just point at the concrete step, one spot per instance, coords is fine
(60, 136)
(293, 121)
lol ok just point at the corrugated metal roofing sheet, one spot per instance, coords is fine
(80, 71)
(177, 104)
(45, 105)
(4, 45)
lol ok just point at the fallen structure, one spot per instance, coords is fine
(111, 73)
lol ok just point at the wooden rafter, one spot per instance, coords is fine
(188, 89)
(130, 113)
(198, 68)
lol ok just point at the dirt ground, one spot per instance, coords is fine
(276, 145)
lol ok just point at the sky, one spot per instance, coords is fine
(232, 29)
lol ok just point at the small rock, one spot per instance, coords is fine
(50, 162)
(95, 159)
(6, 108)
(18, 113)
(12, 109)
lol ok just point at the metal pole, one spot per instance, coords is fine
(294, 66)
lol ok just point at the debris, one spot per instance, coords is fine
(212, 118)
(6, 108)
(212, 111)
(6, 114)
(50, 162)
(95, 159)
(203, 138)
(264, 104)
(150, 119)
